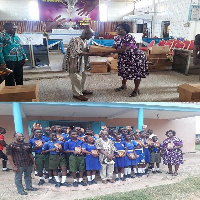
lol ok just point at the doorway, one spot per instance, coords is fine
(165, 28)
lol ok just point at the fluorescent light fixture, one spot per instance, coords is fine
(103, 10)
(34, 10)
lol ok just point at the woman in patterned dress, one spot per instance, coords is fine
(172, 153)
(132, 62)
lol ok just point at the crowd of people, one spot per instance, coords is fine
(58, 152)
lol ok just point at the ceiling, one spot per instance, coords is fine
(105, 110)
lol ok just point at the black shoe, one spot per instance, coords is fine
(32, 189)
(52, 181)
(65, 184)
(94, 182)
(125, 176)
(6, 170)
(41, 182)
(23, 193)
(154, 172)
(123, 179)
(68, 174)
(89, 182)
(46, 176)
(58, 184)
(75, 184)
(158, 171)
(117, 179)
(82, 183)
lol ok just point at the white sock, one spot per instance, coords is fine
(41, 178)
(67, 171)
(135, 170)
(75, 180)
(36, 172)
(57, 178)
(50, 177)
(116, 175)
(139, 170)
(93, 177)
(125, 171)
(158, 169)
(63, 179)
(129, 170)
(122, 175)
(4, 168)
(143, 170)
(80, 179)
(153, 169)
(89, 178)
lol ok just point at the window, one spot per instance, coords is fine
(103, 9)
(34, 10)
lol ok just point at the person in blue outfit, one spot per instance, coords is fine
(119, 157)
(131, 157)
(156, 151)
(56, 159)
(40, 159)
(76, 158)
(140, 153)
(91, 159)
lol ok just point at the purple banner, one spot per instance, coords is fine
(50, 9)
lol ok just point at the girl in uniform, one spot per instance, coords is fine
(131, 157)
(91, 160)
(119, 157)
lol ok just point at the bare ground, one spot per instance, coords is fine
(47, 191)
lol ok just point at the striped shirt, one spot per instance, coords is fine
(74, 61)
(20, 153)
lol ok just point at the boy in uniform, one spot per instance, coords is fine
(56, 159)
(76, 158)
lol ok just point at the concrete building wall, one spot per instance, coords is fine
(174, 11)
(185, 128)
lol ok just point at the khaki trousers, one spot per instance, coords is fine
(106, 171)
(78, 82)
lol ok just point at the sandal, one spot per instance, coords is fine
(169, 172)
(134, 93)
(120, 88)
(175, 174)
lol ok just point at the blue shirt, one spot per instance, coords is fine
(119, 146)
(155, 149)
(46, 138)
(50, 145)
(34, 142)
(71, 144)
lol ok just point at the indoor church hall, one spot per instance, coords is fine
(99, 50)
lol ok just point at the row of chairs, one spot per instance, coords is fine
(177, 44)
(173, 44)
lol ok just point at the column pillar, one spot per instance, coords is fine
(140, 118)
(17, 115)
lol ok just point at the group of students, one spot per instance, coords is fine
(126, 152)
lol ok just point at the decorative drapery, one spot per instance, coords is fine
(26, 26)
(101, 28)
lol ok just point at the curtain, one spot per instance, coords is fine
(101, 28)
(26, 26)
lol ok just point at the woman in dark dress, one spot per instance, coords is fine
(132, 62)
(172, 153)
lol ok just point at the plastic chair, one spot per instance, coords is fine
(161, 43)
(152, 43)
(191, 46)
(178, 45)
(169, 43)
(187, 43)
